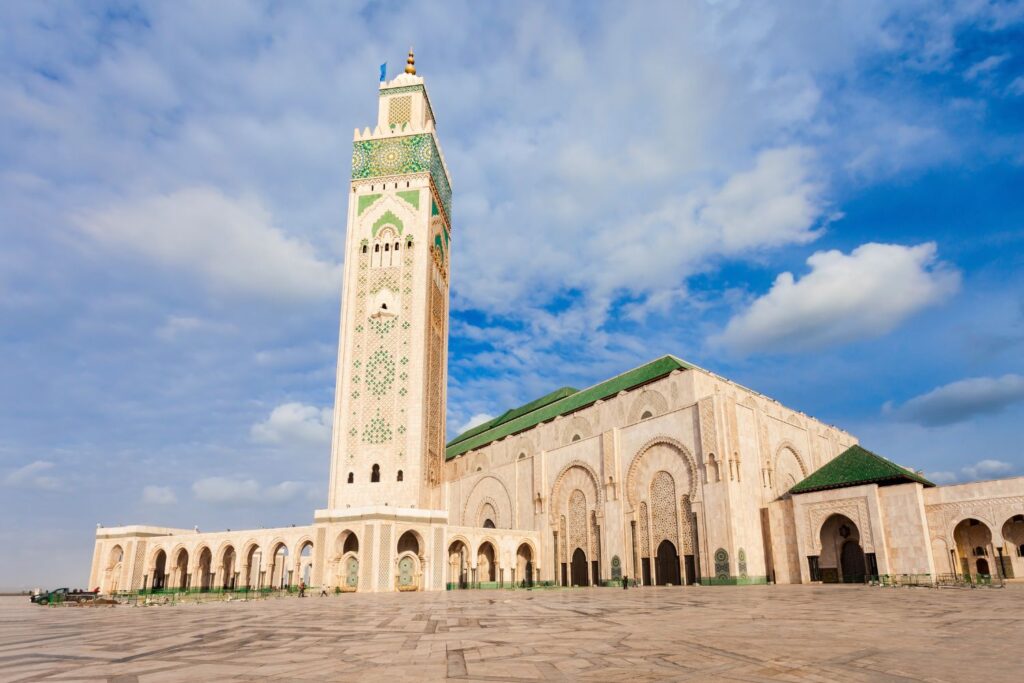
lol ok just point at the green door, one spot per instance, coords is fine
(405, 572)
(352, 572)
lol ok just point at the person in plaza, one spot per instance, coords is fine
(302, 588)
(625, 583)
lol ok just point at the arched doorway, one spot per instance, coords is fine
(253, 557)
(180, 573)
(973, 540)
(160, 571)
(458, 565)
(279, 571)
(227, 577)
(347, 551)
(1013, 552)
(524, 565)
(580, 575)
(305, 562)
(668, 564)
(842, 558)
(115, 566)
(204, 569)
(486, 564)
(408, 561)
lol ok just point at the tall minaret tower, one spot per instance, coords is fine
(389, 403)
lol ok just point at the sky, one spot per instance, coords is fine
(821, 201)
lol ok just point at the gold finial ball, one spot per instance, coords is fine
(410, 64)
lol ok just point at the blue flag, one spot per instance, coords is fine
(383, 71)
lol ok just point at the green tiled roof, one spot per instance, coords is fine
(565, 400)
(856, 466)
(514, 413)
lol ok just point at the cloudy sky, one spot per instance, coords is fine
(821, 201)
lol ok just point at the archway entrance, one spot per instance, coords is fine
(227, 578)
(409, 561)
(668, 564)
(280, 575)
(346, 548)
(180, 576)
(305, 562)
(486, 564)
(458, 565)
(842, 558)
(973, 541)
(160, 571)
(115, 565)
(252, 560)
(579, 568)
(205, 575)
(1013, 552)
(524, 565)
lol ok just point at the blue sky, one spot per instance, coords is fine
(822, 201)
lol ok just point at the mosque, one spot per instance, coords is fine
(667, 473)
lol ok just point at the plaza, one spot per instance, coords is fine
(752, 633)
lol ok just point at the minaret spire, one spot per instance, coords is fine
(410, 63)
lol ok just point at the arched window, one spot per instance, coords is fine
(479, 469)
(979, 552)
(375, 474)
(575, 437)
(351, 477)
(365, 248)
(488, 523)
(376, 248)
(400, 475)
(387, 247)
(408, 245)
(397, 244)
(522, 456)
(647, 414)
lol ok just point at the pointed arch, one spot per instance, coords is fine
(683, 454)
(557, 487)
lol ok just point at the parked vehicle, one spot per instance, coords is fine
(63, 595)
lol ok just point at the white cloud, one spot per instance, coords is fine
(34, 475)
(987, 468)
(231, 244)
(238, 491)
(844, 298)
(158, 495)
(474, 421)
(1016, 86)
(289, 423)
(961, 400)
(983, 469)
(775, 203)
(985, 66)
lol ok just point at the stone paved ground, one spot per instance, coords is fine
(756, 633)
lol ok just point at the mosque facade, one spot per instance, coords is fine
(666, 474)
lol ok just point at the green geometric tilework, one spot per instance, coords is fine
(378, 431)
(388, 218)
(366, 200)
(380, 372)
(395, 156)
(411, 196)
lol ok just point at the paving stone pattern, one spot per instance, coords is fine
(753, 633)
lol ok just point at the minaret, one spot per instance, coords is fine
(389, 403)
